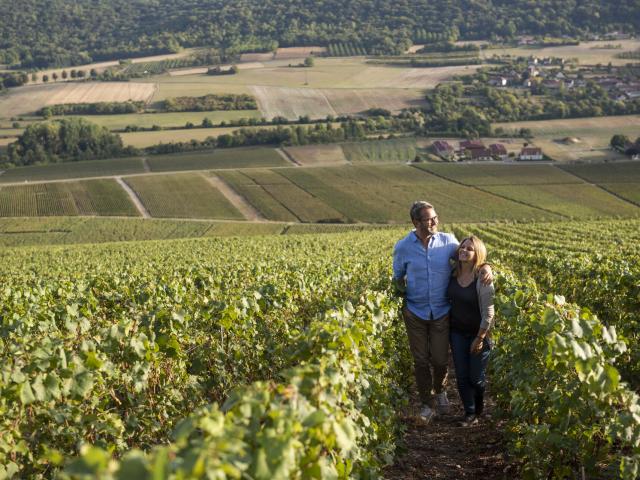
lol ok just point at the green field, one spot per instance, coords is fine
(327, 73)
(628, 191)
(147, 139)
(579, 201)
(182, 196)
(501, 174)
(90, 197)
(10, 132)
(222, 158)
(177, 119)
(305, 206)
(396, 150)
(313, 155)
(384, 193)
(588, 137)
(56, 171)
(257, 196)
(612, 172)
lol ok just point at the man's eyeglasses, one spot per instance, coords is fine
(430, 220)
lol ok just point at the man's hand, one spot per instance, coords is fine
(400, 287)
(486, 275)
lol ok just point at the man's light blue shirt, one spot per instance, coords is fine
(427, 272)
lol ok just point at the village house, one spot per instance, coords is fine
(443, 149)
(498, 151)
(498, 82)
(470, 145)
(531, 153)
(479, 154)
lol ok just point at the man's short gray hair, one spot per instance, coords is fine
(417, 207)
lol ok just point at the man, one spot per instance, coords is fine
(421, 271)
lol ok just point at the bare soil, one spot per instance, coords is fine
(445, 450)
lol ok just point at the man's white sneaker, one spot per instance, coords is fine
(442, 403)
(427, 413)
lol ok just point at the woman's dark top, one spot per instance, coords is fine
(465, 307)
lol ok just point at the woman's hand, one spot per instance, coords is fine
(476, 346)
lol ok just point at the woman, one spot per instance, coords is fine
(470, 320)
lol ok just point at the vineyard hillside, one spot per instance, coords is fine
(155, 353)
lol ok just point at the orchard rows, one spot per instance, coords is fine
(279, 357)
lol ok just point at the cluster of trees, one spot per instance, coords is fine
(448, 35)
(446, 47)
(99, 108)
(209, 103)
(453, 106)
(445, 62)
(64, 141)
(348, 49)
(219, 71)
(433, 59)
(321, 132)
(39, 33)
(11, 79)
(623, 144)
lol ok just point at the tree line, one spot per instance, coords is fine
(98, 108)
(209, 102)
(75, 139)
(39, 33)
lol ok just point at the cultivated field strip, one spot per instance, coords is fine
(385, 151)
(579, 201)
(167, 120)
(381, 194)
(89, 197)
(303, 204)
(626, 191)
(257, 196)
(181, 196)
(221, 158)
(71, 170)
(501, 174)
(606, 173)
(29, 99)
(292, 102)
(313, 155)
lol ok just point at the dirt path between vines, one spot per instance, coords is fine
(134, 198)
(444, 450)
(244, 207)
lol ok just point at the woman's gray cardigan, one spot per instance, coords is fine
(485, 299)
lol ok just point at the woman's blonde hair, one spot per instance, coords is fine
(481, 254)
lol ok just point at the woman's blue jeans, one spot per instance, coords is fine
(470, 369)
